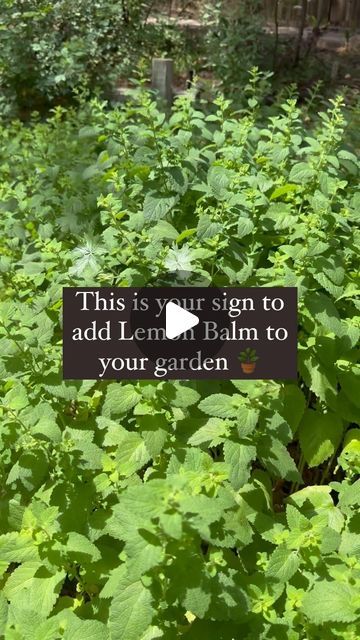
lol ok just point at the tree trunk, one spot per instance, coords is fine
(349, 14)
(276, 44)
(304, 7)
(320, 12)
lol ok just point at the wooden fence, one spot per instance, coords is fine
(343, 13)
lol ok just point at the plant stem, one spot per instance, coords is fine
(295, 485)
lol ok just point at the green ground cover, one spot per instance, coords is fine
(135, 511)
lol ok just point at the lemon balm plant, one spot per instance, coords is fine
(160, 509)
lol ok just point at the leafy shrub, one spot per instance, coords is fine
(166, 509)
(234, 41)
(49, 49)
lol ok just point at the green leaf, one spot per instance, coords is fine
(320, 435)
(16, 399)
(17, 547)
(165, 230)
(331, 602)
(245, 226)
(90, 131)
(281, 214)
(247, 420)
(81, 549)
(132, 454)
(90, 172)
(221, 405)
(21, 578)
(47, 429)
(350, 383)
(182, 395)
(131, 612)
(120, 399)
(239, 457)
(154, 432)
(320, 379)
(276, 458)
(284, 190)
(197, 601)
(207, 228)
(3, 614)
(157, 207)
(324, 312)
(296, 520)
(294, 405)
(176, 179)
(350, 494)
(40, 594)
(78, 629)
(301, 172)
(212, 432)
(283, 564)
(219, 181)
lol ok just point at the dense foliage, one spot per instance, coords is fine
(50, 49)
(166, 509)
(234, 40)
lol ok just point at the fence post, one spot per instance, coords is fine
(162, 79)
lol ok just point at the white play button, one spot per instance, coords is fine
(178, 320)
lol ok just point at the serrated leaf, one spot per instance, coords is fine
(207, 228)
(301, 172)
(283, 564)
(132, 454)
(131, 612)
(16, 398)
(78, 629)
(296, 520)
(17, 547)
(245, 226)
(48, 429)
(331, 602)
(164, 229)
(350, 383)
(21, 578)
(154, 432)
(197, 600)
(320, 379)
(324, 312)
(221, 405)
(183, 396)
(3, 614)
(157, 207)
(120, 399)
(211, 432)
(90, 131)
(41, 594)
(218, 181)
(239, 458)
(247, 419)
(80, 548)
(320, 435)
(276, 458)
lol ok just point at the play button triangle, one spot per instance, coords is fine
(178, 320)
